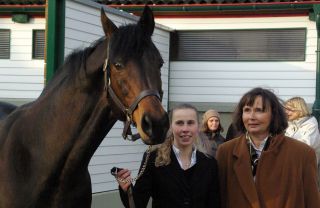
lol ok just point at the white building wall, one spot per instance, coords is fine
(225, 82)
(21, 77)
(82, 27)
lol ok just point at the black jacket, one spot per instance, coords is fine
(169, 188)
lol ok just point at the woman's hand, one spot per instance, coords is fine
(124, 179)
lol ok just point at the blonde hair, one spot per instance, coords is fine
(298, 104)
(164, 149)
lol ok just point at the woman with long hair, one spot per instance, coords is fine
(177, 173)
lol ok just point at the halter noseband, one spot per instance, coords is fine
(127, 111)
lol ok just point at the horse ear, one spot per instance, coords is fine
(107, 24)
(147, 21)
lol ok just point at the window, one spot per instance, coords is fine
(38, 44)
(4, 44)
(239, 45)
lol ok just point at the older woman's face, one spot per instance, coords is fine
(255, 120)
(291, 113)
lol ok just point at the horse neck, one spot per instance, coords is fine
(77, 117)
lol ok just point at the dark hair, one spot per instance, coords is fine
(278, 122)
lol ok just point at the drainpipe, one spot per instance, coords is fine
(316, 105)
(55, 15)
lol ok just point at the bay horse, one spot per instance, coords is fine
(46, 145)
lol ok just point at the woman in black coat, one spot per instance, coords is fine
(177, 174)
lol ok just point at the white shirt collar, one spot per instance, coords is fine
(193, 156)
(260, 148)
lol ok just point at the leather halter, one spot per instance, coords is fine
(128, 111)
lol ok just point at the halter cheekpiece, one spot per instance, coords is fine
(128, 111)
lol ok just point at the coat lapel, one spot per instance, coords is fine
(242, 169)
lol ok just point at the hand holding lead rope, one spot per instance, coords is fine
(124, 179)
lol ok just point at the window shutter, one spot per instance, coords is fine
(239, 45)
(4, 44)
(38, 44)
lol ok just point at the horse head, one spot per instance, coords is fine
(133, 75)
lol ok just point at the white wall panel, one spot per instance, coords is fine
(21, 76)
(225, 82)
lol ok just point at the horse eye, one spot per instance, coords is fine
(118, 65)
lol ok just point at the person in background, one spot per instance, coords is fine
(302, 125)
(232, 132)
(263, 167)
(211, 130)
(176, 174)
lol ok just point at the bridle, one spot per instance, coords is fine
(128, 111)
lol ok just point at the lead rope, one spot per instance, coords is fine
(143, 168)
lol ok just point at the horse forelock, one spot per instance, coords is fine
(128, 42)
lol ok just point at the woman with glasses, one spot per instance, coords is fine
(263, 167)
(302, 125)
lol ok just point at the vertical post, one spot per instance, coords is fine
(316, 105)
(55, 15)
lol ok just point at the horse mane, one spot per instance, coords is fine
(78, 56)
(73, 62)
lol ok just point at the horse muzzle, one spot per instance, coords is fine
(155, 130)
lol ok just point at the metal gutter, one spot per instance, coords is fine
(275, 6)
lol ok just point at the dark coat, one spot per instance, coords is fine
(232, 132)
(168, 187)
(286, 175)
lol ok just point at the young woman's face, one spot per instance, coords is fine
(255, 120)
(185, 127)
(292, 114)
(213, 123)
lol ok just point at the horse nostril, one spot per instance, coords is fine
(147, 125)
(156, 129)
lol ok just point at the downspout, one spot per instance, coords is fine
(55, 16)
(316, 105)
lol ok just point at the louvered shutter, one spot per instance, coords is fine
(38, 44)
(239, 45)
(4, 44)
